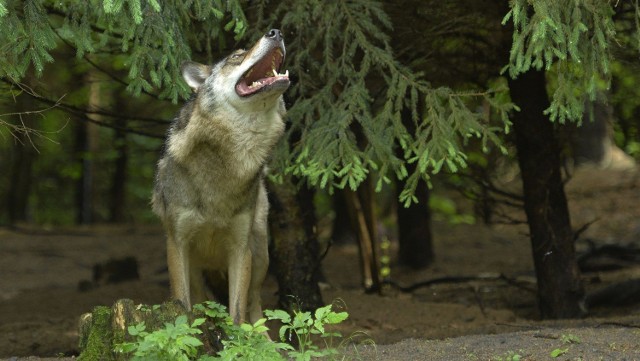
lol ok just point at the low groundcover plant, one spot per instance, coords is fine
(178, 340)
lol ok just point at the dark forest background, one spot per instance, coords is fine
(389, 98)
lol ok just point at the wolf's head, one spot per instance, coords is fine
(243, 79)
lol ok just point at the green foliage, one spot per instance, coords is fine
(27, 38)
(569, 338)
(625, 98)
(445, 208)
(358, 112)
(575, 36)
(247, 342)
(559, 352)
(304, 325)
(244, 342)
(510, 356)
(177, 341)
(154, 38)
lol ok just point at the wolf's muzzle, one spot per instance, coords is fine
(264, 74)
(274, 34)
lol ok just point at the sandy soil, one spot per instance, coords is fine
(484, 319)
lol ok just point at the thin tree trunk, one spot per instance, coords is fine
(361, 213)
(415, 248)
(87, 145)
(342, 231)
(295, 251)
(119, 180)
(20, 186)
(24, 154)
(560, 291)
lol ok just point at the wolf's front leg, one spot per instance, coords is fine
(178, 261)
(239, 278)
(259, 254)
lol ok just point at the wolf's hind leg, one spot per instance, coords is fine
(198, 291)
(259, 268)
(259, 272)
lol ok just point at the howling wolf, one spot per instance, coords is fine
(209, 188)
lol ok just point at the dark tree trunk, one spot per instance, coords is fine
(24, 154)
(342, 231)
(295, 251)
(20, 186)
(83, 184)
(119, 181)
(415, 248)
(560, 292)
(87, 147)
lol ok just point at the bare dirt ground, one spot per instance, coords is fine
(484, 319)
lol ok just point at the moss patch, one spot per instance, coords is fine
(97, 344)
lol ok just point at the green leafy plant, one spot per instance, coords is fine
(559, 352)
(248, 342)
(304, 325)
(510, 356)
(569, 338)
(176, 341)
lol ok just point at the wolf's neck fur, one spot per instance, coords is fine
(240, 141)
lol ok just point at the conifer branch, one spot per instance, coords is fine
(572, 40)
(346, 122)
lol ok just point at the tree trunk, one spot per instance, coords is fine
(415, 247)
(87, 144)
(119, 180)
(360, 205)
(560, 291)
(342, 232)
(414, 229)
(24, 154)
(295, 251)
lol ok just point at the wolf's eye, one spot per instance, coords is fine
(237, 55)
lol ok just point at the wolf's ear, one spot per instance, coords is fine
(195, 74)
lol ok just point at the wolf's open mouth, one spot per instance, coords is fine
(263, 74)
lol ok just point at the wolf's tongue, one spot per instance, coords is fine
(261, 74)
(246, 89)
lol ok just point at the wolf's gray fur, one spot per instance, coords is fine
(209, 189)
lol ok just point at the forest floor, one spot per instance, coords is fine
(489, 318)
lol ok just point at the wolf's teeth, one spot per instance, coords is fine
(275, 73)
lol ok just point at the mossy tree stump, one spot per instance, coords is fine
(101, 330)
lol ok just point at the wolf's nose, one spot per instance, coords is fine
(274, 34)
